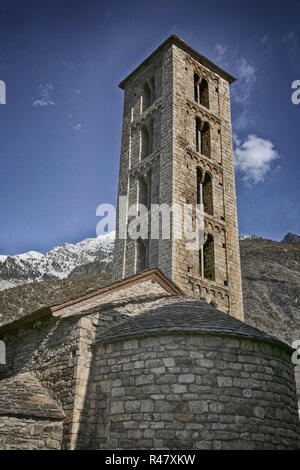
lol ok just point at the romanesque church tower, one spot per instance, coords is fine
(177, 149)
(135, 364)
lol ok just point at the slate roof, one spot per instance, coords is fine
(154, 274)
(185, 316)
(23, 395)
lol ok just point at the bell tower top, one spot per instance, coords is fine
(174, 39)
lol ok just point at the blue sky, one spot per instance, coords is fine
(60, 129)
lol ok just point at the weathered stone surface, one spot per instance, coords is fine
(167, 172)
(179, 374)
(25, 433)
(24, 395)
(219, 415)
(185, 315)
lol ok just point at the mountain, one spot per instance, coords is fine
(271, 287)
(270, 272)
(26, 298)
(291, 238)
(88, 257)
(244, 236)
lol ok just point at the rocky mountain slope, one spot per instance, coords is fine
(271, 286)
(26, 298)
(291, 238)
(270, 270)
(89, 257)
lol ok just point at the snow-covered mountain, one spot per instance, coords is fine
(90, 256)
(244, 236)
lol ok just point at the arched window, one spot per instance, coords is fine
(151, 129)
(205, 140)
(207, 259)
(204, 96)
(146, 97)
(208, 194)
(199, 186)
(152, 82)
(196, 87)
(2, 352)
(198, 135)
(204, 191)
(202, 137)
(147, 139)
(142, 255)
(201, 92)
(145, 190)
(145, 142)
(148, 93)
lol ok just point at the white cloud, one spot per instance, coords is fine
(68, 65)
(241, 68)
(254, 157)
(266, 42)
(77, 127)
(243, 120)
(291, 43)
(246, 75)
(291, 39)
(45, 92)
(241, 91)
(220, 52)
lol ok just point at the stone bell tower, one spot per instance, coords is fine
(177, 149)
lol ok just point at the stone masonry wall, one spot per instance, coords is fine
(135, 290)
(226, 290)
(172, 165)
(17, 433)
(158, 164)
(191, 392)
(48, 348)
(58, 352)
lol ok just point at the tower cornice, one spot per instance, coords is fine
(176, 40)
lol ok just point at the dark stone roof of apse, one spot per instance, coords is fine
(186, 317)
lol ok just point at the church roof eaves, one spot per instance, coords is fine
(185, 316)
(152, 274)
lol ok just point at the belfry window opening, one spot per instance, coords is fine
(204, 191)
(145, 190)
(147, 139)
(202, 137)
(207, 259)
(201, 91)
(148, 93)
(142, 255)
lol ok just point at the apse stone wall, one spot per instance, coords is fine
(191, 392)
